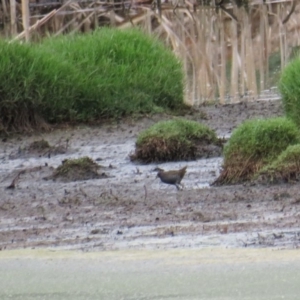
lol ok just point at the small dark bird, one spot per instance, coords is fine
(171, 177)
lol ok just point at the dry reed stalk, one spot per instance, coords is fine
(169, 29)
(222, 86)
(86, 19)
(183, 51)
(96, 18)
(206, 71)
(35, 26)
(214, 50)
(282, 38)
(243, 74)
(13, 18)
(57, 22)
(259, 51)
(148, 23)
(280, 25)
(75, 14)
(173, 30)
(268, 44)
(189, 67)
(244, 58)
(197, 57)
(262, 58)
(173, 39)
(250, 61)
(61, 30)
(183, 37)
(192, 85)
(40, 22)
(209, 50)
(112, 15)
(25, 19)
(135, 19)
(207, 59)
(5, 10)
(234, 60)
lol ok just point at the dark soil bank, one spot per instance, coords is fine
(128, 207)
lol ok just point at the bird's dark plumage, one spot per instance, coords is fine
(171, 177)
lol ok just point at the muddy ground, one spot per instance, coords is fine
(128, 207)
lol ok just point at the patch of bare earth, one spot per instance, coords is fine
(130, 208)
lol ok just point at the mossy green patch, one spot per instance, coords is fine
(77, 169)
(261, 138)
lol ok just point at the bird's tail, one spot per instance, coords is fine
(182, 171)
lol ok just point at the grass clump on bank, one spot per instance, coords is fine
(121, 72)
(286, 167)
(173, 140)
(86, 77)
(289, 87)
(253, 145)
(34, 87)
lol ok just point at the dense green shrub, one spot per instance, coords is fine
(122, 72)
(254, 144)
(173, 140)
(289, 87)
(84, 77)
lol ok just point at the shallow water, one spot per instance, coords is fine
(132, 209)
(166, 235)
(121, 168)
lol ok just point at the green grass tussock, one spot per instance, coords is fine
(85, 77)
(172, 140)
(179, 129)
(261, 138)
(121, 72)
(254, 144)
(33, 85)
(289, 87)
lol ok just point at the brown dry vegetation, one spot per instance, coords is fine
(227, 51)
(158, 150)
(240, 169)
(77, 169)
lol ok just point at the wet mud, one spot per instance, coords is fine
(130, 207)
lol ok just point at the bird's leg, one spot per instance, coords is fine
(179, 186)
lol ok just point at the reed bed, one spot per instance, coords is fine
(225, 49)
